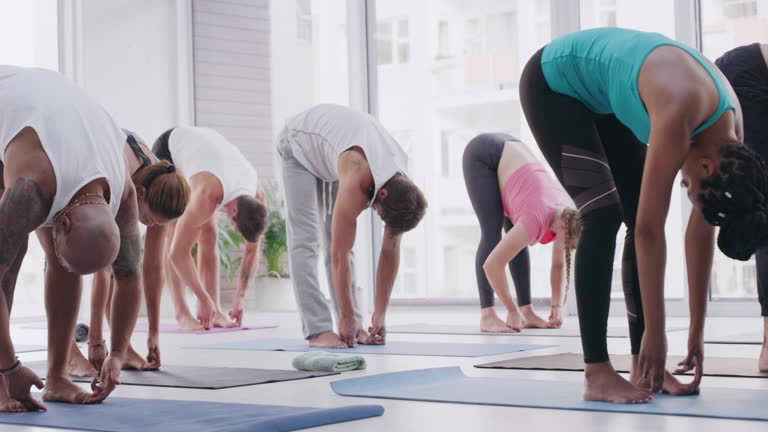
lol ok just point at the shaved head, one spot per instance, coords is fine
(86, 238)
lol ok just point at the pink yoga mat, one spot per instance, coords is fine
(169, 327)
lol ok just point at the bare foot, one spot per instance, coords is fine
(603, 384)
(515, 320)
(328, 339)
(491, 323)
(674, 387)
(11, 405)
(78, 365)
(762, 363)
(134, 361)
(8, 404)
(362, 337)
(531, 319)
(187, 323)
(219, 320)
(63, 390)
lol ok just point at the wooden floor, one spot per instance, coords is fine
(401, 416)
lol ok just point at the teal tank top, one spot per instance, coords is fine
(600, 68)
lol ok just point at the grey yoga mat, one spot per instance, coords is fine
(473, 329)
(391, 348)
(154, 415)
(713, 366)
(746, 338)
(199, 377)
(450, 385)
(28, 348)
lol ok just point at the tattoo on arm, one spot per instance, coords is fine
(23, 208)
(126, 264)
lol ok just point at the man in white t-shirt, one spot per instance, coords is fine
(64, 176)
(336, 163)
(221, 179)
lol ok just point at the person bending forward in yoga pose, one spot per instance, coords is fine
(221, 179)
(162, 195)
(509, 188)
(64, 176)
(337, 162)
(746, 68)
(593, 100)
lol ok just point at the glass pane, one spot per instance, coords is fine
(727, 24)
(29, 35)
(441, 103)
(653, 16)
(444, 40)
(384, 42)
(402, 29)
(302, 76)
(403, 52)
(650, 15)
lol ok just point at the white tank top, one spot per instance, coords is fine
(79, 137)
(319, 135)
(200, 149)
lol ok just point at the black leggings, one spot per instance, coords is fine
(481, 163)
(600, 163)
(745, 68)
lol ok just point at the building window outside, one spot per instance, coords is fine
(304, 20)
(393, 41)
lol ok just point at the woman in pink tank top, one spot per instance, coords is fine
(515, 192)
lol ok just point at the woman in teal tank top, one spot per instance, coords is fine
(606, 106)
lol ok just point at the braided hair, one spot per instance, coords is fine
(572, 224)
(735, 199)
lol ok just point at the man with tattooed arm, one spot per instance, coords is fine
(63, 176)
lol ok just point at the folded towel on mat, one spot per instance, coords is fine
(328, 362)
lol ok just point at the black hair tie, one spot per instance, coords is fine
(171, 169)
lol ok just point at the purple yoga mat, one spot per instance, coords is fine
(169, 327)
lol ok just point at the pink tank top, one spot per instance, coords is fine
(531, 196)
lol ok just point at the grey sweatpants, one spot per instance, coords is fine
(310, 202)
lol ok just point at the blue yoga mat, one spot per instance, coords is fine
(391, 348)
(148, 415)
(452, 386)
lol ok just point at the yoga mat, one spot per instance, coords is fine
(199, 377)
(747, 338)
(169, 327)
(143, 327)
(28, 348)
(453, 329)
(452, 386)
(152, 415)
(391, 348)
(713, 366)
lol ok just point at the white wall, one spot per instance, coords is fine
(126, 54)
(127, 60)
(232, 75)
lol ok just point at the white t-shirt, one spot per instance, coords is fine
(81, 140)
(200, 149)
(320, 134)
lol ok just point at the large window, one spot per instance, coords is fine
(29, 37)
(459, 79)
(657, 16)
(727, 24)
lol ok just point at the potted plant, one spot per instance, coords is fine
(270, 290)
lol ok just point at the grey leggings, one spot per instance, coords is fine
(481, 163)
